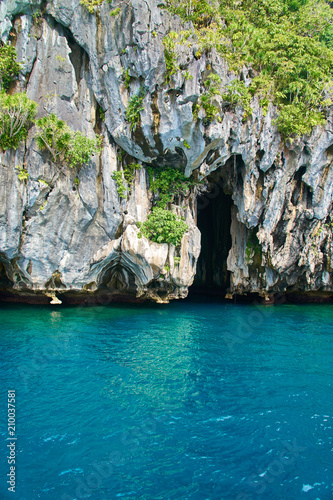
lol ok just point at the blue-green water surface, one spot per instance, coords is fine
(192, 400)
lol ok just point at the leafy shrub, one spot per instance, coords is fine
(63, 143)
(133, 109)
(37, 17)
(263, 86)
(238, 94)
(22, 173)
(167, 183)
(81, 149)
(118, 177)
(213, 88)
(127, 78)
(9, 67)
(163, 226)
(91, 4)
(128, 174)
(170, 54)
(54, 135)
(115, 12)
(61, 60)
(43, 205)
(16, 114)
(187, 75)
(287, 43)
(298, 119)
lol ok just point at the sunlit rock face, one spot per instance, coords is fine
(78, 239)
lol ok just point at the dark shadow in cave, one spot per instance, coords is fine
(213, 221)
(118, 279)
(5, 282)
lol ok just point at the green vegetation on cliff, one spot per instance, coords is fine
(287, 46)
(128, 173)
(9, 67)
(133, 109)
(91, 4)
(63, 143)
(16, 116)
(17, 111)
(166, 183)
(163, 226)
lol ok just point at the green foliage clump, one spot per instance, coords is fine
(118, 177)
(163, 226)
(101, 113)
(128, 174)
(16, 115)
(81, 149)
(206, 101)
(22, 173)
(91, 4)
(115, 12)
(133, 109)
(37, 17)
(239, 95)
(187, 75)
(291, 119)
(43, 205)
(121, 155)
(54, 135)
(170, 54)
(200, 12)
(61, 60)
(127, 79)
(9, 67)
(167, 183)
(63, 143)
(288, 45)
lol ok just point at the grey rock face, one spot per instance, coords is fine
(57, 237)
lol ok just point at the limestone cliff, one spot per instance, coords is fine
(73, 238)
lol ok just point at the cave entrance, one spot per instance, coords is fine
(214, 221)
(5, 282)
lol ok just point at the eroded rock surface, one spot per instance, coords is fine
(59, 236)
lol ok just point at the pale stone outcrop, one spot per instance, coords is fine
(57, 237)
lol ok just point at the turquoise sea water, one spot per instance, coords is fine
(193, 400)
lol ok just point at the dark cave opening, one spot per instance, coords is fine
(213, 221)
(5, 282)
